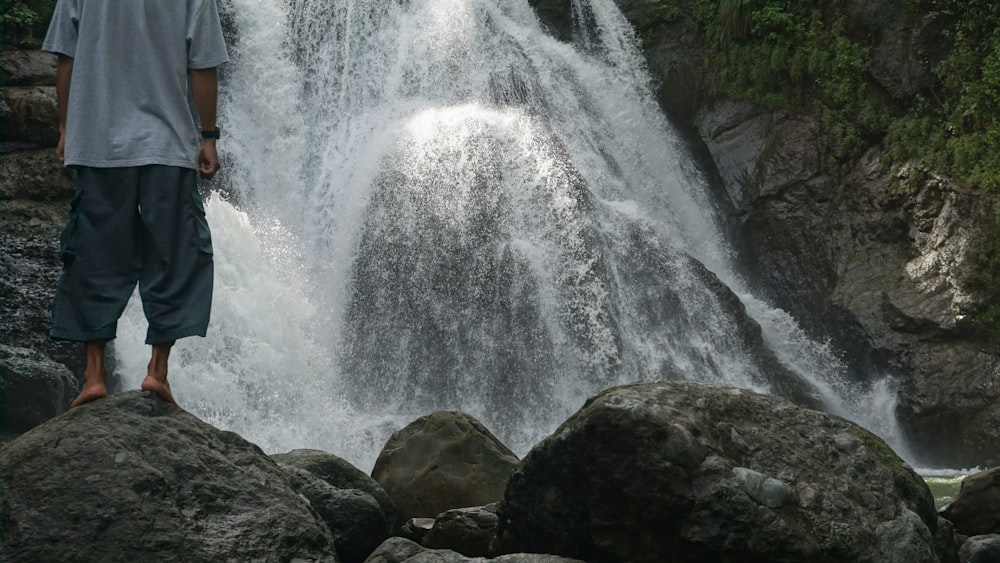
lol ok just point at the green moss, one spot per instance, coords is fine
(985, 279)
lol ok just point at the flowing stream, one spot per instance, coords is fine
(434, 204)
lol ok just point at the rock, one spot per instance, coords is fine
(27, 67)
(976, 509)
(416, 528)
(980, 549)
(687, 473)
(465, 530)
(29, 269)
(31, 114)
(35, 175)
(945, 544)
(131, 478)
(903, 254)
(354, 517)
(402, 550)
(904, 54)
(33, 388)
(442, 461)
(341, 474)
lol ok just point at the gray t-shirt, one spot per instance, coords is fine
(129, 95)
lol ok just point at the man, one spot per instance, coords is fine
(127, 71)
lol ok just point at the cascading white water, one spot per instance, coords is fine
(443, 207)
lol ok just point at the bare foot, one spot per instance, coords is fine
(91, 392)
(94, 376)
(161, 388)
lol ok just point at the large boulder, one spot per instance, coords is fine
(686, 472)
(131, 478)
(401, 550)
(981, 549)
(442, 461)
(33, 389)
(27, 67)
(341, 474)
(354, 518)
(976, 509)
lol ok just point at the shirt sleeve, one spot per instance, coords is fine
(62, 34)
(206, 44)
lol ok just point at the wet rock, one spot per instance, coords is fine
(131, 478)
(354, 518)
(980, 549)
(401, 550)
(27, 67)
(687, 472)
(945, 542)
(341, 474)
(30, 114)
(442, 461)
(33, 389)
(35, 175)
(976, 509)
(29, 269)
(468, 531)
(416, 528)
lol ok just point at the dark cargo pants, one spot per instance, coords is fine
(142, 225)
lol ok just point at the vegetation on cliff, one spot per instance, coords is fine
(818, 57)
(23, 23)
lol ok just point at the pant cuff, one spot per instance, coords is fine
(163, 336)
(77, 336)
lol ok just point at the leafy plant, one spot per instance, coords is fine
(24, 22)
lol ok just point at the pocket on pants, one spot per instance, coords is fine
(68, 250)
(202, 233)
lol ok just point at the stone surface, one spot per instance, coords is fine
(354, 517)
(686, 472)
(468, 531)
(416, 528)
(341, 474)
(401, 550)
(945, 542)
(29, 269)
(904, 51)
(35, 175)
(976, 509)
(33, 389)
(442, 461)
(27, 67)
(980, 549)
(31, 114)
(131, 478)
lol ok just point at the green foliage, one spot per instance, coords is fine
(655, 20)
(985, 279)
(810, 56)
(24, 22)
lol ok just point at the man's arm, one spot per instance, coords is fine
(64, 75)
(205, 89)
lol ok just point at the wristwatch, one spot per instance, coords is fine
(213, 134)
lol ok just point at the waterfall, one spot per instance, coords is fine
(434, 204)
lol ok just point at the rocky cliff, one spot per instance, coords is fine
(878, 254)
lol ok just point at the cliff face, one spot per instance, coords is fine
(879, 257)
